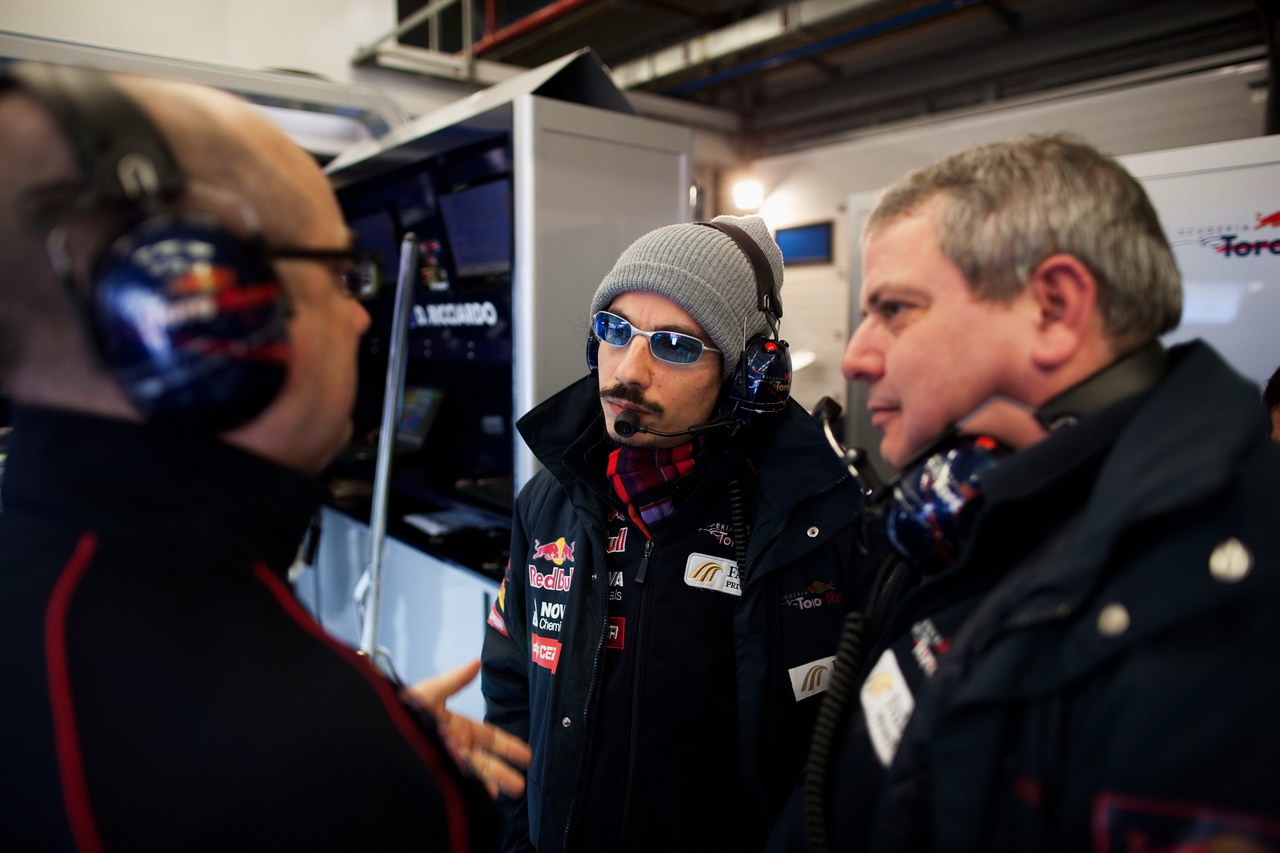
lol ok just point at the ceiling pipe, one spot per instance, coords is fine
(878, 28)
(796, 17)
(527, 24)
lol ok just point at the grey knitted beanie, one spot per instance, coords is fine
(703, 271)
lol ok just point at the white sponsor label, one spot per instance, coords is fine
(887, 704)
(707, 572)
(812, 678)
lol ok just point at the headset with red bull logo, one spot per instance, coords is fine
(187, 315)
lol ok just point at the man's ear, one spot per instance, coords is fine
(1065, 295)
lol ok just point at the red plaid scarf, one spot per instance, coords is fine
(645, 479)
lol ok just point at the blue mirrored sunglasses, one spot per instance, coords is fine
(671, 347)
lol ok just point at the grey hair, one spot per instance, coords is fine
(1010, 205)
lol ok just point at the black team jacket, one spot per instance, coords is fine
(668, 705)
(162, 688)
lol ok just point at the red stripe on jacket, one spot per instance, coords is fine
(75, 790)
(454, 808)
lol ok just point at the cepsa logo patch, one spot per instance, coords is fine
(545, 652)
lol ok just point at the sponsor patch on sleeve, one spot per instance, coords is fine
(1123, 823)
(887, 703)
(812, 678)
(707, 572)
(496, 620)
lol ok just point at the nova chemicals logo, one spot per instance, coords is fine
(549, 616)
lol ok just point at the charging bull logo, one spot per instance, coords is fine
(557, 552)
(1263, 221)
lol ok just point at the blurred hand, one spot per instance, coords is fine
(487, 750)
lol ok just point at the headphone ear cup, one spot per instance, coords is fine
(593, 352)
(191, 320)
(761, 384)
(927, 516)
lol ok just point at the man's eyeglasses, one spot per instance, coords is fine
(360, 269)
(671, 347)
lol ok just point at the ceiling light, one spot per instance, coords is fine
(748, 194)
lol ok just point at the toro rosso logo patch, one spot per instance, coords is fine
(719, 532)
(927, 645)
(814, 595)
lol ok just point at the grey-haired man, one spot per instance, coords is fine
(1076, 650)
(667, 684)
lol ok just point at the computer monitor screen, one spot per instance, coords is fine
(477, 221)
(416, 416)
(806, 244)
(377, 232)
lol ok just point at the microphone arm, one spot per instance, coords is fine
(627, 424)
(826, 412)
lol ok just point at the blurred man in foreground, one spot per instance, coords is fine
(179, 346)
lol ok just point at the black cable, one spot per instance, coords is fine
(826, 728)
(738, 518)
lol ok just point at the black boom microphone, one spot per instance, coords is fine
(627, 424)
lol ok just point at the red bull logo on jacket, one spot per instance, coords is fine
(1264, 221)
(556, 580)
(558, 552)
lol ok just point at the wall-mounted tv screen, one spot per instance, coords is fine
(477, 220)
(806, 244)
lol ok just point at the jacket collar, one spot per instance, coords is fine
(1170, 450)
(794, 461)
(122, 478)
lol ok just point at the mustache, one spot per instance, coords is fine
(629, 394)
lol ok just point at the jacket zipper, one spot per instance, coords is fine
(644, 563)
(635, 688)
(586, 706)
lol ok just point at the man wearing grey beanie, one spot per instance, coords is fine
(677, 579)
